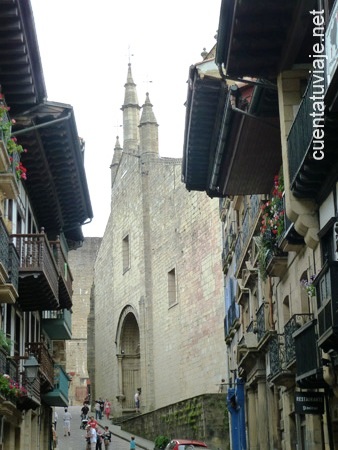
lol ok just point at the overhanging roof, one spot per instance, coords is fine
(229, 151)
(56, 180)
(205, 101)
(261, 38)
(56, 183)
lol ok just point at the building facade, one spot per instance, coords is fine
(158, 286)
(274, 160)
(44, 201)
(82, 263)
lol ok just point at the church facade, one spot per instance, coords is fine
(157, 298)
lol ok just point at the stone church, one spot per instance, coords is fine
(157, 303)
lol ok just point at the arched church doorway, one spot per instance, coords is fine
(129, 358)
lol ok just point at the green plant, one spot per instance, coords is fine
(161, 442)
(5, 342)
(308, 286)
(13, 148)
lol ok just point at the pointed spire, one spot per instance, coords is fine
(116, 159)
(131, 115)
(148, 129)
(148, 115)
(130, 95)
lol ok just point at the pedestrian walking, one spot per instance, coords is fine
(132, 443)
(97, 410)
(137, 400)
(55, 419)
(107, 408)
(101, 402)
(67, 417)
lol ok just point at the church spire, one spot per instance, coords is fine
(116, 160)
(131, 115)
(148, 129)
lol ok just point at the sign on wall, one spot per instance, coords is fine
(309, 403)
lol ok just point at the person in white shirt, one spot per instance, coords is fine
(92, 438)
(67, 417)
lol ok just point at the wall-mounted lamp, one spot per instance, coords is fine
(31, 367)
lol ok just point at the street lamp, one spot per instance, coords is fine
(31, 367)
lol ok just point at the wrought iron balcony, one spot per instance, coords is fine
(38, 273)
(279, 374)
(65, 275)
(9, 268)
(57, 324)
(59, 395)
(263, 326)
(326, 283)
(308, 359)
(46, 369)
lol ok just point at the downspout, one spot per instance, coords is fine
(41, 125)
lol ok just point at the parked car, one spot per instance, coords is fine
(186, 444)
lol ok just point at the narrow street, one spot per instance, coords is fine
(76, 440)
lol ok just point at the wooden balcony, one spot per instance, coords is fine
(311, 177)
(38, 273)
(46, 369)
(65, 275)
(57, 324)
(33, 398)
(326, 283)
(9, 184)
(59, 395)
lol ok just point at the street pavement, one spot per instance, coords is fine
(76, 440)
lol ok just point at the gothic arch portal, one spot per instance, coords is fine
(128, 357)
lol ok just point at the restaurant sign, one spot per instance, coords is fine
(309, 403)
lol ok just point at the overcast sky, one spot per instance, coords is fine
(85, 48)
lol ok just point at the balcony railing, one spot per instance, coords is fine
(8, 365)
(46, 369)
(326, 284)
(300, 136)
(279, 373)
(38, 272)
(59, 395)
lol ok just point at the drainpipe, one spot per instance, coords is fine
(41, 125)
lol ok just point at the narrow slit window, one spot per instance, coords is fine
(126, 253)
(172, 287)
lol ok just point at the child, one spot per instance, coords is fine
(132, 443)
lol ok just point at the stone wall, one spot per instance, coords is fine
(204, 418)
